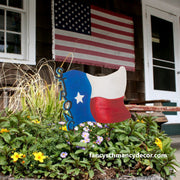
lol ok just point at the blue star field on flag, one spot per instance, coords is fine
(72, 16)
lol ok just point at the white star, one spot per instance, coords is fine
(79, 98)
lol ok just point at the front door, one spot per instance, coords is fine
(162, 75)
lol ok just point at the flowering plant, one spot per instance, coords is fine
(48, 150)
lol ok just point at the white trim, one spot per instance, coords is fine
(28, 33)
(163, 67)
(171, 13)
(163, 6)
(150, 92)
(31, 26)
(163, 60)
(14, 9)
(146, 49)
(53, 29)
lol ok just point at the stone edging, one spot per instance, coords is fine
(152, 177)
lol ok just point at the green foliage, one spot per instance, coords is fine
(34, 141)
(73, 154)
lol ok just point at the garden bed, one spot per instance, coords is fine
(34, 141)
(43, 148)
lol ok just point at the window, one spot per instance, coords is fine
(17, 31)
(163, 54)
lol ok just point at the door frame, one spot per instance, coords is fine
(169, 13)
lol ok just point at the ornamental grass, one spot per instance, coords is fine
(35, 143)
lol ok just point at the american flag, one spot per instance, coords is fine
(94, 35)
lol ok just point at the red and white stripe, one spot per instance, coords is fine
(111, 43)
(107, 97)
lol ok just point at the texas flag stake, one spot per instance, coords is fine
(93, 98)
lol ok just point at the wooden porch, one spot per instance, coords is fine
(156, 109)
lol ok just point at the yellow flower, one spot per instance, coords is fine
(4, 130)
(34, 153)
(36, 121)
(140, 121)
(39, 156)
(64, 128)
(16, 156)
(158, 142)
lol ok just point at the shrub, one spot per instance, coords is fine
(41, 147)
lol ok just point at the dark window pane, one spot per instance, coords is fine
(1, 19)
(162, 39)
(13, 21)
(3, 2)
(164, 79)
(16, 3)
(1, 41)
(13, 43)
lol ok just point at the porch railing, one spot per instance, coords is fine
(157, 109)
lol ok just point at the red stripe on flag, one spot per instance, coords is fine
(93, 43)
(93, 53)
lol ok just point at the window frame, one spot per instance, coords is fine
(169, 15)
(28, 36)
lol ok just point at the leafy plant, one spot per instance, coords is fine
(41, 148)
